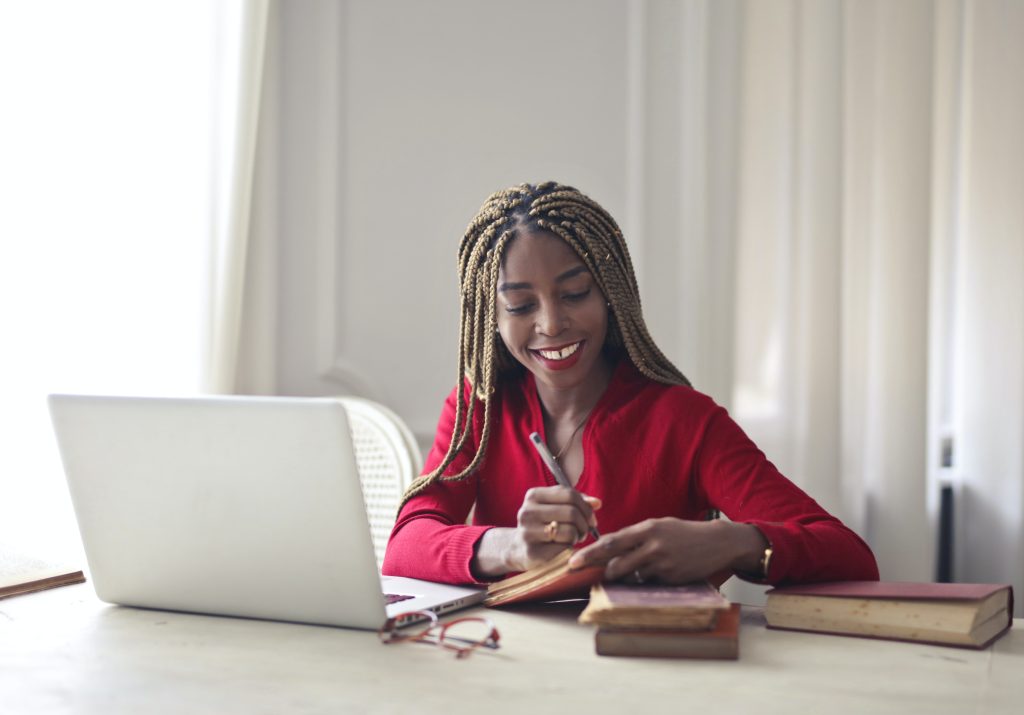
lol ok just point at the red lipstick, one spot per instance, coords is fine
(564, 364)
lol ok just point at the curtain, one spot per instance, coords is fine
(243, 48)
(877, 229)
(983, 407)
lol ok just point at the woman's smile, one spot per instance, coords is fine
(559, 358)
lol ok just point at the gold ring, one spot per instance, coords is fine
(551, 530)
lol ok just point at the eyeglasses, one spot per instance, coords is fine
(463, 635)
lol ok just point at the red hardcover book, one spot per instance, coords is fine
(969, 615)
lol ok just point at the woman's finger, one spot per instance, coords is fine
(562, 495)
(562, 513)
(637, 564)
(552, 495)
(611, 546)
(553, 532)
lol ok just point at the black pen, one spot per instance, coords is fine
(545, 454)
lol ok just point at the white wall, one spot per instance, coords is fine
(422, 115)
(387, 125)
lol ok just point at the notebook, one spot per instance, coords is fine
(236, 506)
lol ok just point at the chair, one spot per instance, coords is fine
(387, 458)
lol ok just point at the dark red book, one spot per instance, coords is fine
(969, 615)
(721, 642)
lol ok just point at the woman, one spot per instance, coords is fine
(552, 341)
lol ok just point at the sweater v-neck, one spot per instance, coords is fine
(595, 418)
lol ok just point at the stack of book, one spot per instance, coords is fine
(689, 621)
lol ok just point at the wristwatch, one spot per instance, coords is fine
(766, 561)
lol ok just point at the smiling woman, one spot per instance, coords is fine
(553, 341)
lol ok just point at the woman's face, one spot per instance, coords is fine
(551, 313)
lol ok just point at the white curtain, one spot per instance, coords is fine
(879, 248)
(983, 405)
(239, 91)
(833, 246)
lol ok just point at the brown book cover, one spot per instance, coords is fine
(550, 581)
(23, 574)
(969, 615)
(721, 642)
(692, 606)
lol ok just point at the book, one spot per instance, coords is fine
(23, 574)
(970, 615)
(550, 581)
(693, 606)
(721, 642)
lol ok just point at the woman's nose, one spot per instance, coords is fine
(550, 318)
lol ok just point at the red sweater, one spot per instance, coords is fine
(650, 450)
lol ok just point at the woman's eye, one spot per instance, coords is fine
(517, 309)
(574, 297)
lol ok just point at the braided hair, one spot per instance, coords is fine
(593, 234)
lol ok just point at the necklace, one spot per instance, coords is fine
(565, 447)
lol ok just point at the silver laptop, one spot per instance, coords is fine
(238, 506)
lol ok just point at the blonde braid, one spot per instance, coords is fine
(593, 234)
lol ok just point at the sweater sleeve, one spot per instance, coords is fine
(808, 543)
(430, 539)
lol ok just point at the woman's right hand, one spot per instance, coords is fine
(549, 520)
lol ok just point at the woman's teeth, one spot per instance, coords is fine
(560, 354)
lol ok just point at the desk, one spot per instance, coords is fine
(63, 651)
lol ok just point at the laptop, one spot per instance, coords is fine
(235, 506)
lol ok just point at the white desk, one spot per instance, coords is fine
(63, 651)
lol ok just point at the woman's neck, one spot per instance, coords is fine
(574, 403)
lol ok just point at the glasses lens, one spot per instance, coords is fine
(469, 633)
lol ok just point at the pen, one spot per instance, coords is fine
(545, 454)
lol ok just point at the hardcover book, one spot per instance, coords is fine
(693, 606)
(969, 615)
(721, 642)
(550, 581)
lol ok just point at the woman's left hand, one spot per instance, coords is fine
(674, 551)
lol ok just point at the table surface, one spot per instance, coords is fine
(64, 651)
